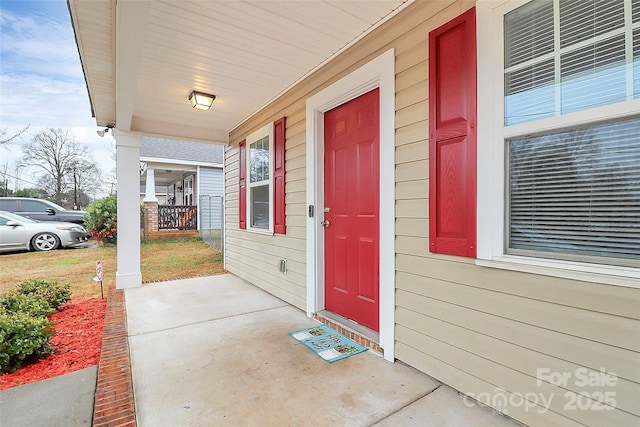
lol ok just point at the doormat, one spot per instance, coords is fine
(327, 343)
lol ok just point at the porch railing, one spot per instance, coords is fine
(176, 217)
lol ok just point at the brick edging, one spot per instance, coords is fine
(114, 404)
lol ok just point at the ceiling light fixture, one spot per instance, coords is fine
(201, 100)
(101, 133)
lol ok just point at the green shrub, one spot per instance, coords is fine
(32, 305)
(23, 337)
(101, 218)
(55, 294)
(25, 331)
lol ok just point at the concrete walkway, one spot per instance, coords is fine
(215, 351)
(62, 401)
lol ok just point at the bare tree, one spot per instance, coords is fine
(5, 137)
(56, 155)
(84, 178)
(4, 179)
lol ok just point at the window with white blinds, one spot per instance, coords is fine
(259, 183)
(635, 18)
(636, 62)
(575, 194)
(568, 56)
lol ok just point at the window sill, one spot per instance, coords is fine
(596, 273)
(260, 231)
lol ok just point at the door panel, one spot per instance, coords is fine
(351, 192)
(367, 283)
(339, 256)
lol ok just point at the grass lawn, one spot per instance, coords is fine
(160, 261)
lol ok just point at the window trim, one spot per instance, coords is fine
(491, 159)
(266, 130)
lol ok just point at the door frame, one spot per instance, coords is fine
(378, 73)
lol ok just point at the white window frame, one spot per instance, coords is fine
(188, 190)
(266, 130)
(491, 171)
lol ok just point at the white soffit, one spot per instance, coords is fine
(244, 52)
(93, 25)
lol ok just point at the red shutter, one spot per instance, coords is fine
(279, 129)
(452, 137)
(242, 202)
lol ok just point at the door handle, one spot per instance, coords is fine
(325, 223)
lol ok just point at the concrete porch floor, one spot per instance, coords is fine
(215, 351)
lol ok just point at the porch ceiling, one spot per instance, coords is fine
(141, 59)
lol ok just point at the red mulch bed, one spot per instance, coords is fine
(77, 343)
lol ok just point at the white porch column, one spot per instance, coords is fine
(128, 274)
(150, 187)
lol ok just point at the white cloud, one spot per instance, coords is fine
(43, 101)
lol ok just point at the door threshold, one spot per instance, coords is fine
(361, 334)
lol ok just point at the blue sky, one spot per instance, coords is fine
(41, 80)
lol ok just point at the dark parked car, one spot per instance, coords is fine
(40, 210)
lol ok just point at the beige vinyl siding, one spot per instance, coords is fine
(256, 256)
(481, 330)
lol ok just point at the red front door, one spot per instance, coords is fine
(351, 204)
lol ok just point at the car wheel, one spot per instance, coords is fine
(45, 242)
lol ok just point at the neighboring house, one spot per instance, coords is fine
(179, 175)
(458, 182)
